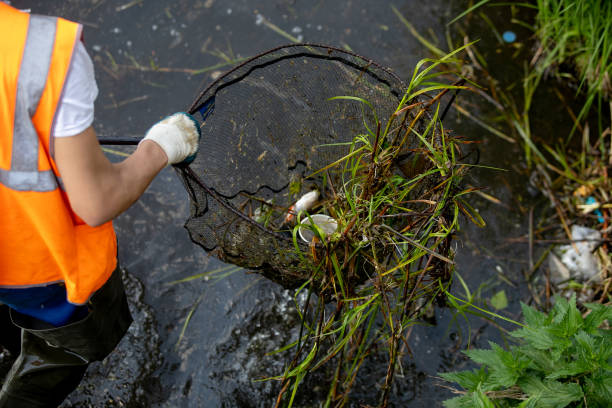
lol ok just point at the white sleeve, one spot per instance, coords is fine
(75, 111)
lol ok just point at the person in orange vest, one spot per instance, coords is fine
(63, 301)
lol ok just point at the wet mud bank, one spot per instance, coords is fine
(136, 357)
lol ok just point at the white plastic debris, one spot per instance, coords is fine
(326, 223)
(566, 263)
(305, 203)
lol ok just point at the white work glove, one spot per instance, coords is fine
(178, 135)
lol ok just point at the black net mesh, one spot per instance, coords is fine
(271, 123)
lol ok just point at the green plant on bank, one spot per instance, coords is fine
(561, 359)
(396, 223)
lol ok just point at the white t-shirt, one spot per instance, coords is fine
(75, 111)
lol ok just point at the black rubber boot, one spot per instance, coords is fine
(53, 360)
(10, 338)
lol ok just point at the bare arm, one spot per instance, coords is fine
(99, 190)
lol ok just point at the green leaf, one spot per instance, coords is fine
(560, 308)
(541, 338)
(545, 362)
(499, 301)
(567, 319)
(465, 401)
(482, 356)
(599, 389)
(471, 213)
(533, 317)
(468, 11)
(585, 346)
(570, 369)
(504, 367)
(551, 394)
(599, 314)
(532, 402)
(480, 400)
(469, 380)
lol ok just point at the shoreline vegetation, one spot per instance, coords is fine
(395, 218)
(560, 356)
(570, 169)
(572, 53)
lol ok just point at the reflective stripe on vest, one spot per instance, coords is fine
(24, 174)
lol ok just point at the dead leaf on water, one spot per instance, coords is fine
(584, 190)
(499, 301)
(261, 156)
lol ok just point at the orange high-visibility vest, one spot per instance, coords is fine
(42, 241)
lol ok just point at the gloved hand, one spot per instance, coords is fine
(178, 135)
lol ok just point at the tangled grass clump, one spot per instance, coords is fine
(396, 198)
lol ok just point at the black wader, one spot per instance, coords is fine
(53, 360)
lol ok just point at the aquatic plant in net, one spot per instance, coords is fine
(306, 118)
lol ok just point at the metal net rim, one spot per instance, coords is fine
(210, 91)
(196, 104)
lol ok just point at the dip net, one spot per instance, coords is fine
(284, 123)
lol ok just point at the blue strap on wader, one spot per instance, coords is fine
(46, 303)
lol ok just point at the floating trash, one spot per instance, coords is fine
(592, 201)
(509, 36)
(576, 261)
(324, 222)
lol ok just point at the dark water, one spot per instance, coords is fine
(236, 320)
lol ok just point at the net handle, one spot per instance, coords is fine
(205, 109)
(119, 141)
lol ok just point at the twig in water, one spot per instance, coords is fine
(531, 238)
(127, 5)
(484, 125)
(416, 244)
(277, 29)
(127, 101)
(115, 152)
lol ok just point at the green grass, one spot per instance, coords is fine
(574, 43)
(577, 33)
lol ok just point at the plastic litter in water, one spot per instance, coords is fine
(306, 202)
(509, 36)
(566, 263)
(591, 200)
(326, 223)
